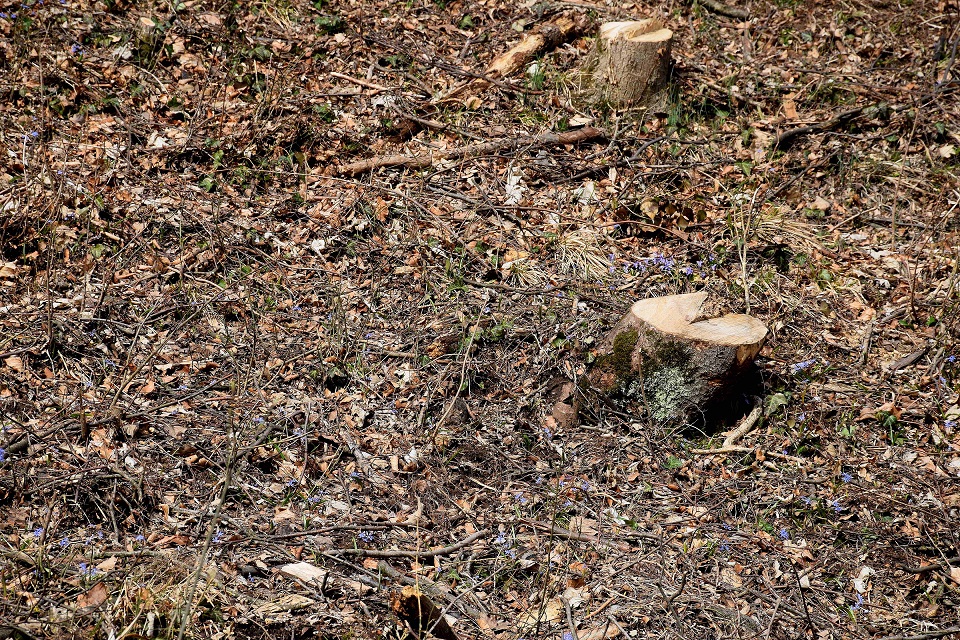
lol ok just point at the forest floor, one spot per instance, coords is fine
(222, 353)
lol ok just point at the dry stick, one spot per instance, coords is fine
(757, 451)
(933, 567)
(725, 9)
(744, 427)
(435, 126)
(399, 553)
(471, 151)
(569, 610)
(613, 621)
(930, 635)
(362, 83)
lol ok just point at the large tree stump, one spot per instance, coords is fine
(629, 65)
(658, 357)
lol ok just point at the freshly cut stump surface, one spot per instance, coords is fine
(661, 357)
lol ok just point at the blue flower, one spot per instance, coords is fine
(801, 417)
(837, 507)
(3, 454)
(366, 536)
(846, 477)
(859, 603)
(949, 424)
(65, 542)
(567, 635)
(784, 534)
(140, 538)
(802, 366)
(951, 359)
(38, 532)
(218, 536)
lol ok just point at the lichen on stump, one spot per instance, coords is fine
(660, 358)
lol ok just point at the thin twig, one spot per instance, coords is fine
(400, 553)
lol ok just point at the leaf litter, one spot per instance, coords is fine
(247, 391)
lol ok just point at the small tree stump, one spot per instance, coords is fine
(629, 65)
(676, 368)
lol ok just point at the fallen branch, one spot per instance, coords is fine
(547, 36)
(725, 10)
(400, 553)
(929, 635)
(583, 537)
(744, 427)
(471, 151)
(785, 138)
(936, 566)
(758, 452)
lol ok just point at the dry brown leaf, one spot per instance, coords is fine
(93, 598)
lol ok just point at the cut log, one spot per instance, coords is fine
(547, 36)
(629, 65)
(661, 358)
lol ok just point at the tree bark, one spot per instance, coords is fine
(629, 65)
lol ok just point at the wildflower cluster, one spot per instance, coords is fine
(505, 545)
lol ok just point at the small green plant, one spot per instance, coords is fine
(324, 112)
(330, 25)
(536, 75)
(889, 421)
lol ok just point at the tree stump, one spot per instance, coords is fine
(660, 358)
(629, 65)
